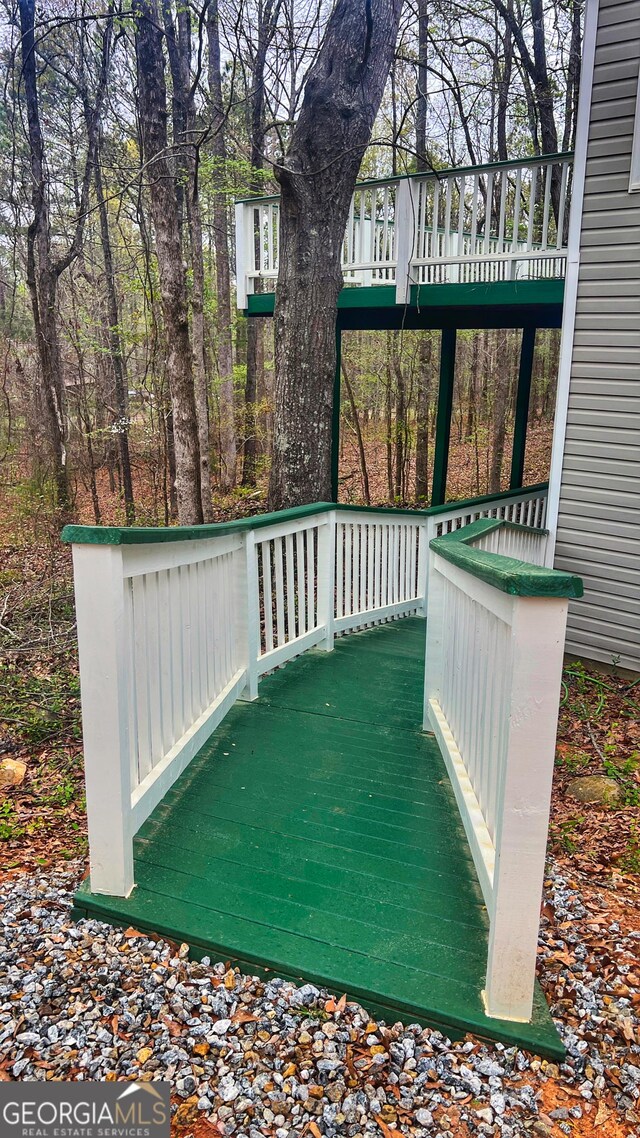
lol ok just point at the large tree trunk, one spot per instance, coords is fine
(224, 325)
(501, 386)
(178, 36)
(115, 348)
(43, 271)
(342, 95)
(152, 99)
(400, 431)
(358, 431)
(536, 66)
(267, 21)
(422, 160)
(422, 416)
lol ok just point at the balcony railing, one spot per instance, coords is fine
(502, 221)
(191, 618)
(174, 625)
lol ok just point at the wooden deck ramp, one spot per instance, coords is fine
(316, 835)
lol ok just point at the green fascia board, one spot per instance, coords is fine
(489, 293)
(517, 578)
(521, 295)
(148, 535)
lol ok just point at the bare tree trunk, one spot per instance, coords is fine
(503, 83)
(356, 424)
(422, 416)
(152, 99)
(400, 432)
(200, 369)
(170, 446)
(267, 19)
(115, 348)
(388, 409)
(43, 272)
(342, 95)
(536, 65)
(422, 161)
(573, 77)
(184, 131)
(500, 406)
(224, 326)
(472, 415)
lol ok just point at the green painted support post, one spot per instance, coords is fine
(522, 407)
(443, 420)
(335, 424)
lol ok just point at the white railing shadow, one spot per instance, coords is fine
(495, 642)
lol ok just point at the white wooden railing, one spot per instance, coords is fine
(502, 221)
(176, 624)
(495, 642)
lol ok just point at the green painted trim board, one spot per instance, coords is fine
(494, 304)
(149, 535)
(508, 574)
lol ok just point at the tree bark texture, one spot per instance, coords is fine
(178, 36)
(267, 22)
(224, 325)
(342, 94)
(358, 431)
(115, 347)
(422, 416)
(152, 100)
(422, 160)
(43, 271)
(502, 386)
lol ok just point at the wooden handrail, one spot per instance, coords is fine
(510, 164)
(144, 535)
(509, 575)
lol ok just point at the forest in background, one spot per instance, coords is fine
(94, 130)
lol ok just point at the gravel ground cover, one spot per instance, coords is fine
(250, 1057)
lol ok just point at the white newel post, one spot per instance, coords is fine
(103, 643)
(249, 616)
(435, 639)
(244, 253)
(537, 646)
(425, 533)
(326, 578)
(405, 236)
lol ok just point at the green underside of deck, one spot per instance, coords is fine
(497, 304)
(316, 836)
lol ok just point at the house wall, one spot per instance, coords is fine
(598, 521)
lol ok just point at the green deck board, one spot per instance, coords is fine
(395, 818)
(349, 815)
(368, 907)
(316, 835)
(232, 842)
(408, 944)
(442, 857)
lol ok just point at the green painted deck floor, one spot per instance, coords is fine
(316, 835)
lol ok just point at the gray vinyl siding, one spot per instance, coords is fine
(599, 517)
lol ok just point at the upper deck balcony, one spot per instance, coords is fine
(472, 226)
